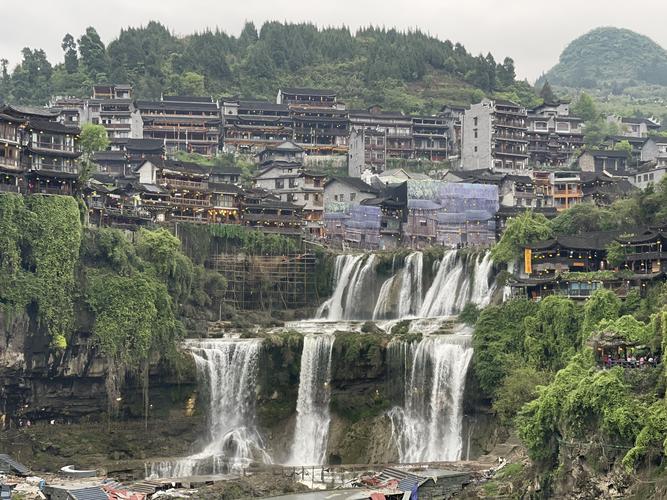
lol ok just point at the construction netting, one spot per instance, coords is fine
(364, 217)
(454, 196)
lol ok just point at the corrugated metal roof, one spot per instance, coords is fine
(406, 480)
(11, 465)
(91, 493)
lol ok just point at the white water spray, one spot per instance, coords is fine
(427, 427)
(312, 421)
(229, 370)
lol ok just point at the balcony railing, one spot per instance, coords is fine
(7, 138)
(9, 162)
(54, 167)
(53, 146)
(179, 183)
(189, 202)
(188, 218)
(9, 188)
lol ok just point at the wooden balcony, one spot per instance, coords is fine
(10, 163)
(189, 202)
(9, 188)
(54, 167)
(183, 184)
(53, 146)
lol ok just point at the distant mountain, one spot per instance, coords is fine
(610, 58)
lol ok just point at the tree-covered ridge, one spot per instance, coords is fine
(610, 57)
(537, 364)
(409, 71)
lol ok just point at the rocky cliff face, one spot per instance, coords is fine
(68, 389)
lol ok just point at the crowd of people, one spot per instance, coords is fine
(630, 360)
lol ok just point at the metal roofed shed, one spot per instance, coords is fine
(62, 492)
(10, 466)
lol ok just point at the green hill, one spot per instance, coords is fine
(612, 58)
(409, 71)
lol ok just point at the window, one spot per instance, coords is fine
(645, 177)
(475, 132)
(306, 196)
(541, 126)
(562, 126)
(650, 177)
(422, 223)
(341, 197)
(474, 121)
(335, 197)
(475, 149)
(280, 184)
(353, 196)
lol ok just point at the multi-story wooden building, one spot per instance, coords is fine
(110, 106)
(430, 137)
(184, 123)
(453, 117)
(49, 150)
(494, 136)
(368, 151)
(186, 185)
(321, 123)
(554, 135)
(262, 210)
(566, 189)
(11, 167)
(289, 182)
(251, 126)
(396, 127)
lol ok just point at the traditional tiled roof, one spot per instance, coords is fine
(589, 241)
(34, 111)
(309, 92)
(354, 183)
(55, 127)
(144, 144)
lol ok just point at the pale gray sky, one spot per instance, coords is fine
(532, 32)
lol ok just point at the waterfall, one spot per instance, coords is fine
(481, 291)
(229, 370)
(440, 298)
(427, 427)
(352, 274)
(312, 421)
(401, 294)
(354, 300)
(343, 268)
(460, 278)
(410, 296)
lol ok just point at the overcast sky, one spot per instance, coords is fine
(532, 32)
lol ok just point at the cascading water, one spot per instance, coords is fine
(406, 286)
(312, 421)
(481, 290)
(460, 278)
(352, 273)
(427, 427)
(228, 367)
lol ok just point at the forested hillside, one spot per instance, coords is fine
(624, 71)
(409, 71)
(610, 57)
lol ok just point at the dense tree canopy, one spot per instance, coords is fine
(366, 67)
